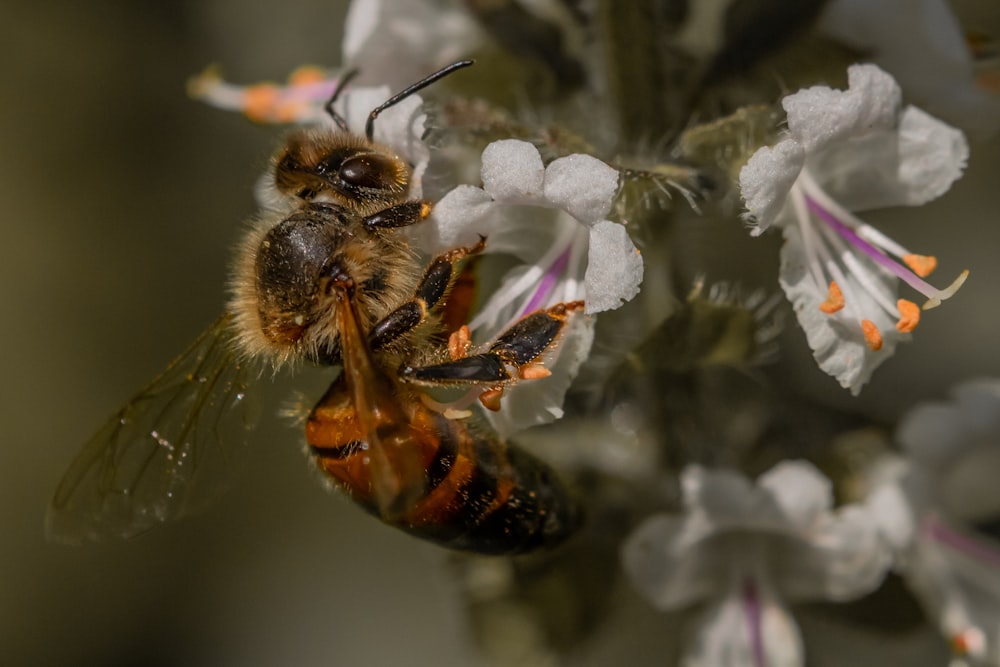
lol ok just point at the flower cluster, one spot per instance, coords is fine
(732, 550)
(932, 507)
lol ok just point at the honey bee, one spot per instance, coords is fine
(330, 280)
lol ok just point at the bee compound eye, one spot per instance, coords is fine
(368, 171)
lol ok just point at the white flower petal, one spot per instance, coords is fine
(936, 432)
(359, 25)
(911, 165)
(398, 43)
(666, 563)
(400, 127)
(968, 488)
(893, 514)
(720, 494)
(529, 232)
(357, 102)
(727, 501)
(819, 116)
(929, 433)
(513, 172)
(932, 156)
(581, 185)
(736, 632)
(838, 346)
(843, 558)
(924, 47)
(802, 492)
(766, 179)
(458, 219)
(979, 402)
(614, 267)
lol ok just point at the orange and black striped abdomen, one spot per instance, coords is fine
(479, 493)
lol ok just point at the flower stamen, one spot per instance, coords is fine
(873, 337)
(922, 265)
(876, 245)
(834, 299)
(909, 316)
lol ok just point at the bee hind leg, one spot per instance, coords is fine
(516, 348)
(433, 286)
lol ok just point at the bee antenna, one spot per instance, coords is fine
(398, 97)
(344, 80)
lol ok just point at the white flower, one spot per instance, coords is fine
(552, 219)
(929, 506)
(745, 549)
(851, 150)
(300, 100)
(925, 48)
(397, 42)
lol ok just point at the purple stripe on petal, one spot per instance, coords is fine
(751, 605)
(963, 544)
(548, 282)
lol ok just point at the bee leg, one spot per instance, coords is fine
(432, 288)
(518, 346)
(400, 215)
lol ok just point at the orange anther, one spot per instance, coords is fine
(909, 316)
(873, 337)
(968, 642)
(834, 299)
(491, 399)
(425, 209)
(922, 265)
(258, 102)
(533, 372)
(305, 75)
(459, 342)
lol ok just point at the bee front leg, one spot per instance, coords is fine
(399, 215)
(516, 348)
(431, 290)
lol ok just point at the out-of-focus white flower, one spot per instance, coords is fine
(929, 506)
(745, 549)
(922, 44)
(303, 100)
(397, 42)
(851, 150)
(553, 219)
(299, 100)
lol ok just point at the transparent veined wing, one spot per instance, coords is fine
(165, 453)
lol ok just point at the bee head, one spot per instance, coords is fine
(326, 165)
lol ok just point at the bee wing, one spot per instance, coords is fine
(398, 478)
(165, 453)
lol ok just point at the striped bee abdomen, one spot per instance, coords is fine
(478, 493)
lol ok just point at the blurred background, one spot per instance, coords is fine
(123, 200)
